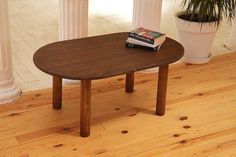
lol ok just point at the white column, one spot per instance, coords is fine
(8, 89)
(231, 42)
(147, 14)
(73, 21)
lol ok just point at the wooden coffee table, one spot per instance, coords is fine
(100, 57)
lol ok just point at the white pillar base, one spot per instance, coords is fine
(230, 44)
(9, 91)
(231, 41)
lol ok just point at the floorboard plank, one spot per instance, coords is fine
(199, 122)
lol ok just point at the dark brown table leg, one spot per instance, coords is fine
(57, 93)
(85, 108)
(161, 91)
(129, 85)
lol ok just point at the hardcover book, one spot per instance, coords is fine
(148, 36)
(138, 42)
(131, 45)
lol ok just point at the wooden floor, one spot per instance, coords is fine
(34, 24)
(200, 119)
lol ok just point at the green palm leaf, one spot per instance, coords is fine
(208, 10)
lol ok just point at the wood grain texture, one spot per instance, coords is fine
(200, 120)
(161, 90)
(109, 57)
(57, 93)
(101, 57)
(85, 103)
(129, 83)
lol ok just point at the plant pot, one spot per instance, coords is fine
(196, 39)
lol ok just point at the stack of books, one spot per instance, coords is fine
(146, 39)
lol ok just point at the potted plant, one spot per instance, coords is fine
(197, 25)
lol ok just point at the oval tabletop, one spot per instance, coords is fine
(101, 57)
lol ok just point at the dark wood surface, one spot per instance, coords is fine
(162, 90)
(129, 83)
(85, 105)
(101, 57)
(57, 93)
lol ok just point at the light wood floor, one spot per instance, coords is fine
(34, 24)
(200, 119)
